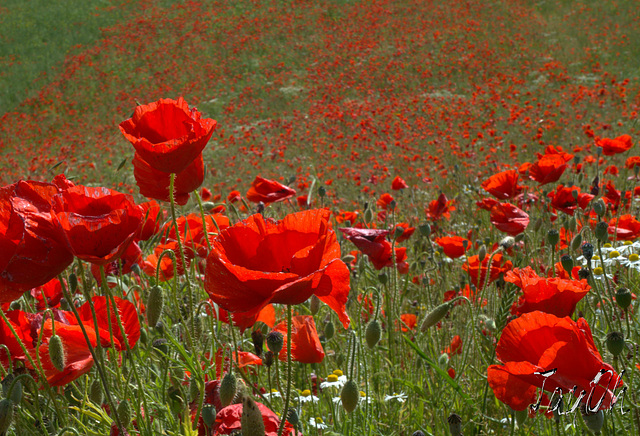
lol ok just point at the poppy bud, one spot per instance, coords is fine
(251, 421)
(155, 304)
(329, 330)
(623, 297)
(398, 232)
(56, 352)
(615, 343)
(258, 341)
(368, 215)
(194, 389)
(314, 303)
(350, 396)
(95, 392)
(537, 225)
(443, 360)
(553, 237)
(322, 191)
(73, 283)
(436, 315)
(425, 230)
(572, 225)
(6, 415)
(417, 433)
(208, 205)
(601, 231)
(587, 251)
(455, 424)
(576, 242)
(275, 341)
(383, 278)
(593, 421)
(482, 253)
(208, 414)
(227, 389)
(567, 263)
(507, 242)
(267, 360)
(347, 258)
(124, 413)
(521, 416)
(292, 417)
(373, 333)
(161, 345)
(15, 305)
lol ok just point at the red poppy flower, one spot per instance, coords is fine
(503, 185)
(98, 224)
(564, 199)
(487, 203)
(407, 232)
(471, 294)
(409, 321)
(616, 145)
(243, 321)
(305, 343)
(205, 194)
(228, 421)
(626, 228)
(302, 201)
(398, 184)
(167, 134)
(509, 219)
(479, 271)
(47, 295)
(257, 262)
(121, 266)
(150, 265)
(32, 250)
(192, 233)
(455, 347)
(373, 243)
(234, 196)
(345, 216)
(547, 169)
(632, 161)
(243, 359)
(154, 183)
(551, 295)
(539, 342)
(442, 207)
(453, 246)
(268, 191)
(384, 202)
(152, 218)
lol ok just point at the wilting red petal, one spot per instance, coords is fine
(268, 191)
(305, 343)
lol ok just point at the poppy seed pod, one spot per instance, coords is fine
(373, 333)
(251, 421)
(275, 341)
(593, 421)
(615, 343)
(350, 395)
(258, 341)
(155, 304)
(208, 414)
(56, 352)
(567, 263)
(553, 237)
(228, 388)
(601, 231)
(73, 283)
(587, 251)
(623, 297)
(267, 360)
(436, 315)
(425, 230)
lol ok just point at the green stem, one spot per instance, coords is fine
(283, 417)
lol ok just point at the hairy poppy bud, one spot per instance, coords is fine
(258, 341)
(6, 415)
(56, 352)
(251, 421)
(350, 396)
(227, 389)
(623, 297)
(124, 412)
(425, 230)
(553, 237)
(322, 191)
(572, 225)
(95, 392)
(399, 231)
(314, 303)
(615, 343)
(15, 305)
(73, 283)
(443, 360)
(587, 251)
(436, 315)
(329, 330)
(593, 421)
(368, 216)
(373, 333)
(208, 414)
(275, 341)
(507, 242)
(521, 416)
(482, 253)
(576, 242)
(455, 424)
(601, 231)
(383, 278)
(155, 304)
(292, 417)
(567, 263)
(194, 389)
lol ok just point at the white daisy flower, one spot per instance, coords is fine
(306, 397)
(317, 423)
(401, 397)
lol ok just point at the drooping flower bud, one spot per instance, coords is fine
(6, 415)
(436, 315)
(593, 421)
(95, 392)
(350, 395)
(482, 253)
(124, 413)
(329, 330)
(576, 242)
(56, 352)
(208, 414)
(155, 304)
(599, 207)
(314, 302)
(373, 333)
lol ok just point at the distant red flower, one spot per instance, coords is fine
(466, 291)
(487, 203)
(564, 199)
(121, 266)
(503, 185)
(305, 343)
(551, 295)
(205, 194)
(539, 342)
(228, 421)
(166, 265)
(440, 208)
(478, 272)
(625, 228)
(614, 146)
(97, 224)
(632, 161)
(345, 216)
(234, 196)
(268, 191)
(453, 246)
(32, 248)
(407, 232)
(154, 183)
(302, 200)
(547, 169)
(373, 243)
(167, 134)
(398, 184)
(409, 322)
(257, 262)
(384, 202)
(509, 218)
(455, 347)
